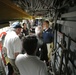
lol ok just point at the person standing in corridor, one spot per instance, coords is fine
(29, 63)
(13, 45)
(47, 32)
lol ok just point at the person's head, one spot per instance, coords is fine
(30, 44)
(24, 25)
(17, 27)
(38, 31)
(45, 24)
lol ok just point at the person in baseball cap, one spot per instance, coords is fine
(13, 44)
(16, 25)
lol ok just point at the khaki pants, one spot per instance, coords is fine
(12, 62)
(49, 48)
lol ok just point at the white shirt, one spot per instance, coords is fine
(30, 65)
(13, 44)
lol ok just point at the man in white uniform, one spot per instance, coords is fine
(13, 45)
(28, 63)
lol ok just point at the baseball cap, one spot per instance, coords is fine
(16, 25)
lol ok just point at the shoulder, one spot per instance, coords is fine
(12, 34)
(49, 29)
(41, 62)
(19, 57)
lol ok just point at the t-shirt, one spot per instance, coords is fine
(47, 36)
(30, 65)
(13, 44)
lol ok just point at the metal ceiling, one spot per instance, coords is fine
(42, 7)
(35, 7)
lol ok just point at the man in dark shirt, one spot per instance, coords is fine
(47, 33)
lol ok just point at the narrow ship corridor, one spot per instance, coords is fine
(60, 57)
